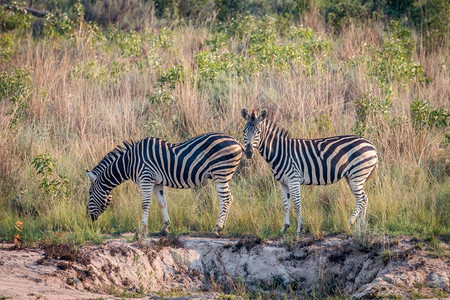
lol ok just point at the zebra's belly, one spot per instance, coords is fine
(307, 179)
(181, 184)
(311, 180)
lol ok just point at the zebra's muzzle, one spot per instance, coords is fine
(93, 217)
(248, 152)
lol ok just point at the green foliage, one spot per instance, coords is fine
(368, 109)
(15, 90)
(171, 76)
(160, 95)
(393, 61)
(67, 24)
(13, 16)
(218, 41)
(53, 184)
(424, 116)
(264, 45)
(6, 47)
(211, 63)
(58, 26)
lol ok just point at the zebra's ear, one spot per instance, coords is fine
(245, 114)
(262, 115)
(91, 175)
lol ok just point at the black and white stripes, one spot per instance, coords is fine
(318, 162)
(154, 163)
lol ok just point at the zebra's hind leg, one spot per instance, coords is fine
(160, 196)
(147, 189)
(286, 207)
(225, 200)
(361, 200)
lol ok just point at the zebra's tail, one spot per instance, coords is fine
(374, 171)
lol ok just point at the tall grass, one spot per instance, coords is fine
(90, 89)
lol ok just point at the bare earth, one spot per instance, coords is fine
(196, 268)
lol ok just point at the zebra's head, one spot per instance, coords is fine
(99, 197)
(252, 130)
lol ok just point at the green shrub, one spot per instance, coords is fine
(13, 16)
(424, 116)
(58, 26)
(160, 95)
(368, 109)
(210, 64)
(53, 184)
(393, 61)
(15, 91)
(171, 76)
(261, 47)
(6, 47)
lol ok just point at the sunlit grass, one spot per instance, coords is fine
(90, 92)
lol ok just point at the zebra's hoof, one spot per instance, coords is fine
(285, 227)
(214, 234)
(164, 231)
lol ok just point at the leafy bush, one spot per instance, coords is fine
(13, 16)
(15, 90)
(212, 63)
(58, 26)
(368, 109)
(171, 76)
(261, 48)
(54, 185)
(160, 95)
(424, 116)
(6, 47)
(393, 61)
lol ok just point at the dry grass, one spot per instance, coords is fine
(78, 116)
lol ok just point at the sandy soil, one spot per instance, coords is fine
(202, 268)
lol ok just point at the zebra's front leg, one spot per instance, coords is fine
(225, 200)
(160, 196)
(286, 206)
(294, 188)
(147, 189)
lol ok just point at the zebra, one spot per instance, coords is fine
(311, 162)
(154, 163)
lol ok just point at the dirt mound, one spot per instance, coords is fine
(336, 265)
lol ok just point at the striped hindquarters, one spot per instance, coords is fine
(327, 160)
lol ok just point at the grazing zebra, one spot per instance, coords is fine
(318, 161)
(153, 163)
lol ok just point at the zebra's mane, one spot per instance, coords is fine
(276, 129)
(112, 156)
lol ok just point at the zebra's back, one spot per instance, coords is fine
(327, 160)
(188, 164)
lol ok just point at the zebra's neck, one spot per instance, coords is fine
(114, 169)
(272, 136)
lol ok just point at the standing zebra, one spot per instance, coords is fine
(153, 163)
(319, 161)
